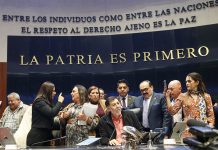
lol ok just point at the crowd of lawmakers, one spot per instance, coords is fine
(44, 121)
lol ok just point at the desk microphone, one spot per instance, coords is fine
(205, 136)
(201, 129)
(194, 122)
(198, 123)
(134, 132)
(41, 142)
(112, 134)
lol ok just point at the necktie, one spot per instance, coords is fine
(124, 102)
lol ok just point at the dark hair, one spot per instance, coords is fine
(148, 81)
(82, 93)
(122, 81)
(45, 91)
(92, 88)
(109, 99)
(197, 77)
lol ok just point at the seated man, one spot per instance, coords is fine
(111, 125)
(13, 113)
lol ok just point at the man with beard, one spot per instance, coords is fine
(111, 125)
(153, 113)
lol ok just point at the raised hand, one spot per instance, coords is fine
(60, 98)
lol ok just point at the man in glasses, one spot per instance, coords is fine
(153, 112)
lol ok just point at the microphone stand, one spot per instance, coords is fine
(41, 142)
(149, 140)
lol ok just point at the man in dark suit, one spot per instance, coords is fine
(111, 125)
(153, 112)
(123, 90)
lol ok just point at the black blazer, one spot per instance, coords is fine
(43, 113)
(215, 108)
(107, 129)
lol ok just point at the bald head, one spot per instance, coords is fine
(175, 87)
(175, 82)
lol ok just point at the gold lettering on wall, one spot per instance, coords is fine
(167, 57)
(49, 58)
(136, 56)
(180, 53)
(203, 49)
(34, 61)
(147, 56)
(116, 58)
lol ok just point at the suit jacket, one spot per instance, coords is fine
(130, 99)
(107, 128)
(158, 116)
(43, 113)
(215, 108)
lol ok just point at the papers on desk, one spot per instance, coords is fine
(89, 141)
(169, 141)
(89, 109)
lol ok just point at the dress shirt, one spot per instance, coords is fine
(126, 100)
(118, 124)
(178, 116)
(146, 103)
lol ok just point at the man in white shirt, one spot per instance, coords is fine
(173, 91)
(153, 113)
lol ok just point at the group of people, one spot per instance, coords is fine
(155, 111)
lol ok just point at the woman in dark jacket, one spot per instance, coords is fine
(43, 113)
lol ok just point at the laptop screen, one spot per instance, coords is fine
(178, 129)
(6, 137)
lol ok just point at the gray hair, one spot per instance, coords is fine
(15, 95)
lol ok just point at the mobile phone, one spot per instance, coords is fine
(165, 84)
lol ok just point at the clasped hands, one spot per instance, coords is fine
(114, 142)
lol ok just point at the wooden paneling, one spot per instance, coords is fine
(3, 86)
